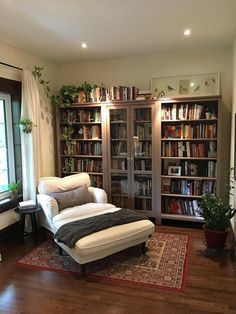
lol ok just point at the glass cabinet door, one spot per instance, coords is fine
(119, 151)
(130, 157)
(142, 158)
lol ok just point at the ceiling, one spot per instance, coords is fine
(54, 30)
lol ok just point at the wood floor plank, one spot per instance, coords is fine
(210, 285)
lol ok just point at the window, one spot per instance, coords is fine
(10, 144)
(7, 160)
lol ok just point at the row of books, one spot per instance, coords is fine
(202, 130)
(187, 187)
(183, 112)
(89, 132)
(96, 181)
(119, 186)
(142, 149)
(142, 114)
(121, 164)
(118, 132)
(143, 131)
(184, 149)
(198, 168)
(119, 148)
(143, 187)
(114, 93)
(78, 148)
(201, 169)
(120, 201)
(143, 204)
(81, 165)
(85, 132)
(143, 164)
(117, 115)
(80, 115)
(180, 207)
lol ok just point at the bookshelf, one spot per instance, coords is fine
(131, 152)
(80, 141)
(189, 154)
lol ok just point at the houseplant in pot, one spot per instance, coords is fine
(14, 188)
(217, 215)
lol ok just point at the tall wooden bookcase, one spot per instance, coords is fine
(190, 159)
(157, 157)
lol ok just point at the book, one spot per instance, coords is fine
(27, 204)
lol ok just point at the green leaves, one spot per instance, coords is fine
(14, 186)
(38, 74)
(215, 212)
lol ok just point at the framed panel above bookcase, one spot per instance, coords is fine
(189, 154)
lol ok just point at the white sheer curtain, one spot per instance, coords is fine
(32, 164)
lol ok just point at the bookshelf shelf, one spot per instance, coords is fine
(182, 217)
(189, 177)
(188, 139)
(180, 195)
(191, 158)
(189, 146)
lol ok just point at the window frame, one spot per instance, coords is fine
(9, 141)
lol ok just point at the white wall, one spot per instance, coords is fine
(16, 57)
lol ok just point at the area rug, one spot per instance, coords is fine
(163, 266)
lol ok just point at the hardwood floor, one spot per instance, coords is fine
(210, 285)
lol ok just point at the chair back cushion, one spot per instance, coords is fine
(48, 185)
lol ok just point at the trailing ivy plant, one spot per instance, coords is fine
(38, 74)
(67, 93)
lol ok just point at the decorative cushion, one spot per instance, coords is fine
(72, 198)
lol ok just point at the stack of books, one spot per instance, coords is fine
(26, 204)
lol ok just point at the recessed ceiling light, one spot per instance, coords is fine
(84, 45)
(187, 32)
(192, 84)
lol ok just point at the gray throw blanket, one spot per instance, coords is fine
(71, 232)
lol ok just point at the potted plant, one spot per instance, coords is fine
(217, 215)
(67, 95)
(26, 125)
(14, 188)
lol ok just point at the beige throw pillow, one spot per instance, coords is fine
(72, 198)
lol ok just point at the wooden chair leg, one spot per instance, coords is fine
(60, 250)
(143, 247)
(83, 270)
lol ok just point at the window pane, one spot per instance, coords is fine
(1, 111)
(5, 136)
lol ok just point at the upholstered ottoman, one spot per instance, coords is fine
(106, 242)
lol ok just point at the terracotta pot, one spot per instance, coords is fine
(215, 239)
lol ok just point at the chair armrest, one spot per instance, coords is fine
(48, 204)
(99, 195)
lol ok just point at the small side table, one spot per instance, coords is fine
(32, 211)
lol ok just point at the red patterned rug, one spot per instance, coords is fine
(164, 265)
